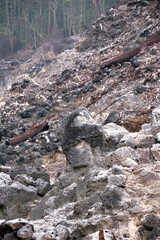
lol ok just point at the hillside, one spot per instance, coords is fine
(80, 134)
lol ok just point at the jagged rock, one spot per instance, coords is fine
(80, 156)
(29, 171)
(11, 226)
(66, 195)
(158, 137)
(120, 155)
(18, 193)
(112, 135)
(139, 140)
(77, 126)
(87, 87)
(147, 176)
(150, 228)
(88, 206)
(155, 122)
(113, 117)
(42, 186)
(155, 150)
(145, 155)
(118, 180)
(114, 197)
(25, 232)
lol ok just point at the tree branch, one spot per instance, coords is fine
(131, 53)
(33, 131)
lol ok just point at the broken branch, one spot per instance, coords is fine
(131, 53)
(33, 131)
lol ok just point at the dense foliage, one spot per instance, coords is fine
(31, 21)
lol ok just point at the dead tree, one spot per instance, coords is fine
(33, 131)
(133, 52)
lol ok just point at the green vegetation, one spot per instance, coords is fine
(32, 21)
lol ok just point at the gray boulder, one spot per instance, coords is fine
(25, 232)
(155, 121)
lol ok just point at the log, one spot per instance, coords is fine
(153, 39)
(122, 57)
(133, 52)
(101, 235)
(33, 131)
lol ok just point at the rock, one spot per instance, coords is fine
(158, 137)
(112, 134)
(140, 89)
(29, 171)
(86, 206)
(5, 180)
(150, 228)
(87, 87)
(138, 140)
(41, 186)
(155, 150)
(10, 236)
(80, 156)
(12, 226)
(155, 121)
(25, 232)
(113, 197)
(66, 195)
(113, 117)
(136, 62)
(147, 176)
(14, 197)
(119, 156)
(117, 180)
(77, 126)
(145, 155)
(62, 233)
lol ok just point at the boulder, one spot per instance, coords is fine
(25, 232)
(150, 227)
(11, 226)
(80, 156)
(155, 121)
(114, 197)
(155, 150)
(120, 155)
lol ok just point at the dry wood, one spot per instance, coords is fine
(33, 131)
(122, 57)
(101, 235)
(133, 52)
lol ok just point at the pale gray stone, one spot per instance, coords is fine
(25, 232)
(155, 150)
(155, 122)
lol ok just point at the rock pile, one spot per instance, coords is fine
(103, 151)
(110, 183)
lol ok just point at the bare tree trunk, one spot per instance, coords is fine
(54, 10)
(49, 17)
(99, 7)
(95, 10)
(9, 25)
(80, 15)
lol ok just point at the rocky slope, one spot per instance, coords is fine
(105, 173)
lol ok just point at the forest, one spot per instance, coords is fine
(27, 23)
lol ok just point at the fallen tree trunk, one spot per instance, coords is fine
(33, 131)
(131, 53)
(122, 57)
